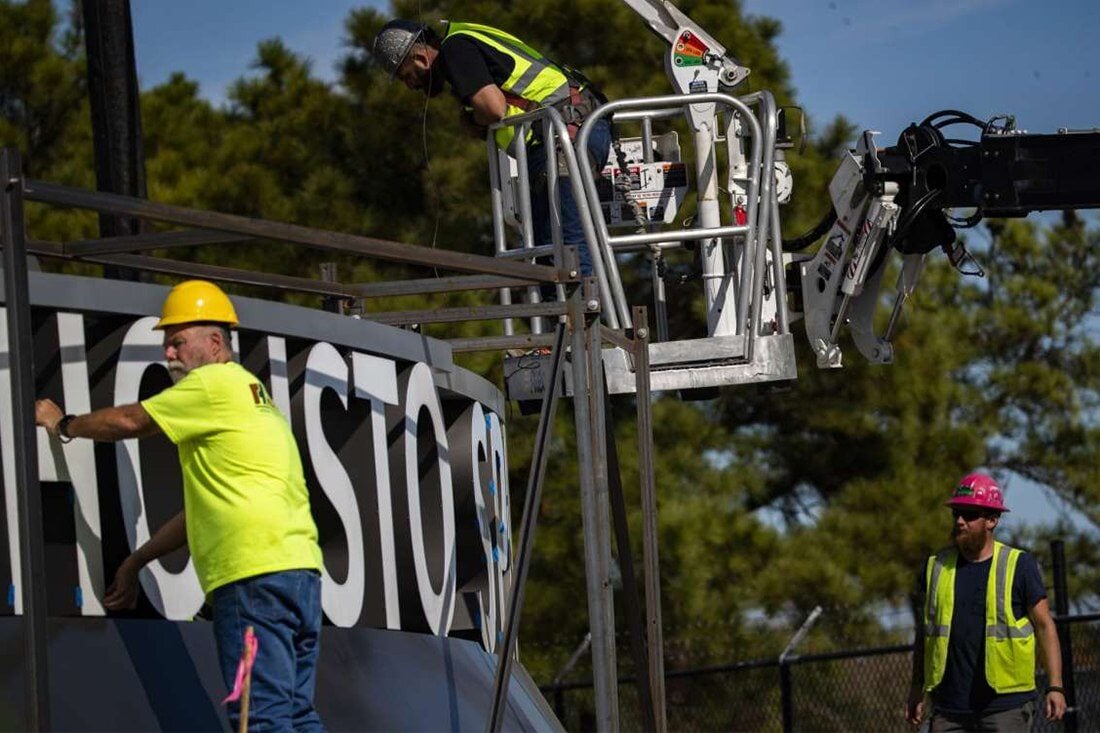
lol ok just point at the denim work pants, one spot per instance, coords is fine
(572, 231)
(284, 609)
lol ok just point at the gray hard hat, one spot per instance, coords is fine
(393, 43)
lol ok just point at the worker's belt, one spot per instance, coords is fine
(574, 109)
(577, 107)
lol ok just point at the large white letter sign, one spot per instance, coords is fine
(75, 462)
(438, 606)
(376, 379)
(325, 368)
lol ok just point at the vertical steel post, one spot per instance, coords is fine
(116, 113)
(32, 592)
(786, 705)
(587, 399)
(330, 303)
(647, 477)
(528, 525)
(1065, 637)
(631, 597)
(496, 201)
(526, 215)
(596, 413)
(559, 703)
(782, 317)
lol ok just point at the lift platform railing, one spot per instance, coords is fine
(650, 108)
(742, 269)
(552, 132)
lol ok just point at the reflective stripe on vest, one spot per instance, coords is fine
(534, 78)
(1009, 642)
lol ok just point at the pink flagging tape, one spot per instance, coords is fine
(244, 667)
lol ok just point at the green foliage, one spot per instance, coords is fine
(770, 502)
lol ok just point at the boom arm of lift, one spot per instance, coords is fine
(899, 197)
(696, 62)
(894, 198)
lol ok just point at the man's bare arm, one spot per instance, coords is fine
(914, 705)
(171, 536)
(488, 105)
(108, 424)
(1050, 655)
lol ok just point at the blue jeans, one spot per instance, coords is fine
(284, 609)
(572, 232)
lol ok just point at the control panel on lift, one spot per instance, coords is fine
(634, 192)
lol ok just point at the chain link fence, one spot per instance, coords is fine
(859, 690)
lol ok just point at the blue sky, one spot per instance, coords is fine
(886, 63)
(881, 63)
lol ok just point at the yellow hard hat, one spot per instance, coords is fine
(196, 301)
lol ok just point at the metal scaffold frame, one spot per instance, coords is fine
(579, 337)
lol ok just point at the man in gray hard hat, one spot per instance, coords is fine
(495, 75)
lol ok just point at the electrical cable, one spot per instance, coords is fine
(424, 147)
(819, 230)
(428, 167)
(954, 117)
(914, 211)
(902, 228)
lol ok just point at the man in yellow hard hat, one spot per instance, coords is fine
(246, 517)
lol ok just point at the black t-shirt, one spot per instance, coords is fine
(469, 65)
(964, 689)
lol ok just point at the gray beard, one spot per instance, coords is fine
(176, 371)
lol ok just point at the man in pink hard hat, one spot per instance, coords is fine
(984, 610)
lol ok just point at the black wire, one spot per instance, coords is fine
(803, 241)
(914, 211)
(1009, 120)
(902, 228)
(956, 117)
(526, 361)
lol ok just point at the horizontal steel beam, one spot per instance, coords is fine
(152, 240)
(542, 250)
(679, 235)
(437, 285)
(500, 343)
(470, 313)
(199, 270)
(383, 249)
(616, 338)
(423, 286)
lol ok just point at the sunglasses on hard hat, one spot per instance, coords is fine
(969, 515)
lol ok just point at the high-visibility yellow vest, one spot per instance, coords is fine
(1009, 642)
(535, 80)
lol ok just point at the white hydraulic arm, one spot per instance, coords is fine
(899, 198)
(837, 276)
(698, 64)
(694, 50)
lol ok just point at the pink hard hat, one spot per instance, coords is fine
(978, 490)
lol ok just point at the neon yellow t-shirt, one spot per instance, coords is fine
(244, 493)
